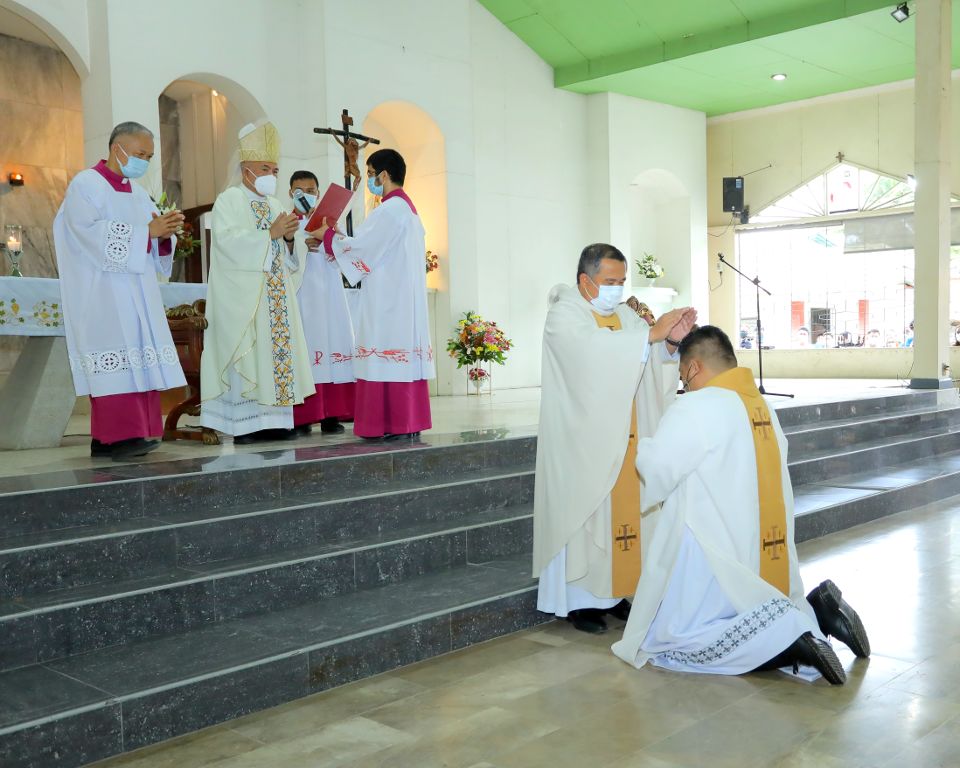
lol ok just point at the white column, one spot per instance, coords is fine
(932, 164)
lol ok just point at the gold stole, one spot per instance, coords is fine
(774, 554)
(625, 503)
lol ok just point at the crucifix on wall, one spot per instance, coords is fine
(350, 143)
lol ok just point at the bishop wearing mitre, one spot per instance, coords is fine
(255, 366)
(607, 377)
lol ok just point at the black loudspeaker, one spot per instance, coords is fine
(733, 194)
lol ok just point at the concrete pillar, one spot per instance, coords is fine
(932, 164)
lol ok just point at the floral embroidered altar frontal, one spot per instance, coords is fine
(30, 306)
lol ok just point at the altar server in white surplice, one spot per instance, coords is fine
(607, 378)
(393, 359)
(721, 591)
(111, 242)
(326, 322)
(255, 366)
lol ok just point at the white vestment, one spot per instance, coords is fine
(388, 254)
(326, 317)
(701, 605)
(591, 379)
(117, 333)
(255, 366)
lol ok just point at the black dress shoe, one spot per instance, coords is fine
(621, 610)
(811, 652)
(130, 449)
(837, 618)
(403, 436)
(264, 436)
(588, 620)
(100, 449)
(303, 430)
(331, 426)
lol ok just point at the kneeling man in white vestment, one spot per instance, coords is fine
(607, 377)
(721, 591)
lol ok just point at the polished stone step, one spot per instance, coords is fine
(58, 560)
(88, 707)
(60, 624)
(66, 500)
(791, 415)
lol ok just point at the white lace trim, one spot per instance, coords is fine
(114, 360)
(116, 250)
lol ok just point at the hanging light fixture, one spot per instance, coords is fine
(901, 13)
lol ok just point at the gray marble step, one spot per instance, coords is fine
(59, 624)
(59, 560)
(885, 402)
(65, 500)
(88, 707)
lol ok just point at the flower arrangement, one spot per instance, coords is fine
(648, 266)
(478, 341)
(478, 375)
(186, 243)
(433, 262)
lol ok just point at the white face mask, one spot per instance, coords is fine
(609, 298)
(265, 185)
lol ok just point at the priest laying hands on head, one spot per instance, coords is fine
(724, 595)
(607, 378)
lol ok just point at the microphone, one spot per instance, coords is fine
(300, 201)
(719, 255)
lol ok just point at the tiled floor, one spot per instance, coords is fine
(556, 698)
(505, 409)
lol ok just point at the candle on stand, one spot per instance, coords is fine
(14, 244)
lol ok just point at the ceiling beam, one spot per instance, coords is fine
(672, 50)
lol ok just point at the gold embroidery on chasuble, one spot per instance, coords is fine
(279, 313)
(625, 503)
(774, 555)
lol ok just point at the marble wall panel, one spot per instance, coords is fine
(30, 73)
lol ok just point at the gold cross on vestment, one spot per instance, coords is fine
(625, 537)
(774, 542)
(761, 422)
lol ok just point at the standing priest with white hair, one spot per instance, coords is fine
(255, 366)
(607, 378)
(111, 242)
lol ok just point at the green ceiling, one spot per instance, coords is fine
(717, 56)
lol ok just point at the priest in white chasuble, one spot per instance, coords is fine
(607, 377)
(721, 591)
(254, 367)
(326, 322)
(393, 357)
(111, 242)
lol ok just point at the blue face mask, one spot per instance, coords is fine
(375, 189)
(135, 167)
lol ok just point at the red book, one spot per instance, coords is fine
(331, 207)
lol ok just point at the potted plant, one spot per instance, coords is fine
(649, 267)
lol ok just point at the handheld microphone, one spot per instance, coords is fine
(300, 201)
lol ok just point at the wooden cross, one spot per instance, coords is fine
(773, 544)
(761, 422)
(351, 152)
(625, 537)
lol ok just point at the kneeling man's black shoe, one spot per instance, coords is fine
(588, 620)
(837, 618)
(621, 610)
(813, 652)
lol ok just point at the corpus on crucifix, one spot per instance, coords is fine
(348, 140)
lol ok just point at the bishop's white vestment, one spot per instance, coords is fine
(603, 386)
(702, 604)
(255, 366)
(116, 328)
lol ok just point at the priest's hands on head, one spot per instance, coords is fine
(165, 225)
(285, 226)
(662, 329)
(686, 324)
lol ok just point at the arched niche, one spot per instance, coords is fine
(200, 115)
(660, 223)
(18, 20)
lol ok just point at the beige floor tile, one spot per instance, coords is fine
(194, 751)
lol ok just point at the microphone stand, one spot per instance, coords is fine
(756, 284)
